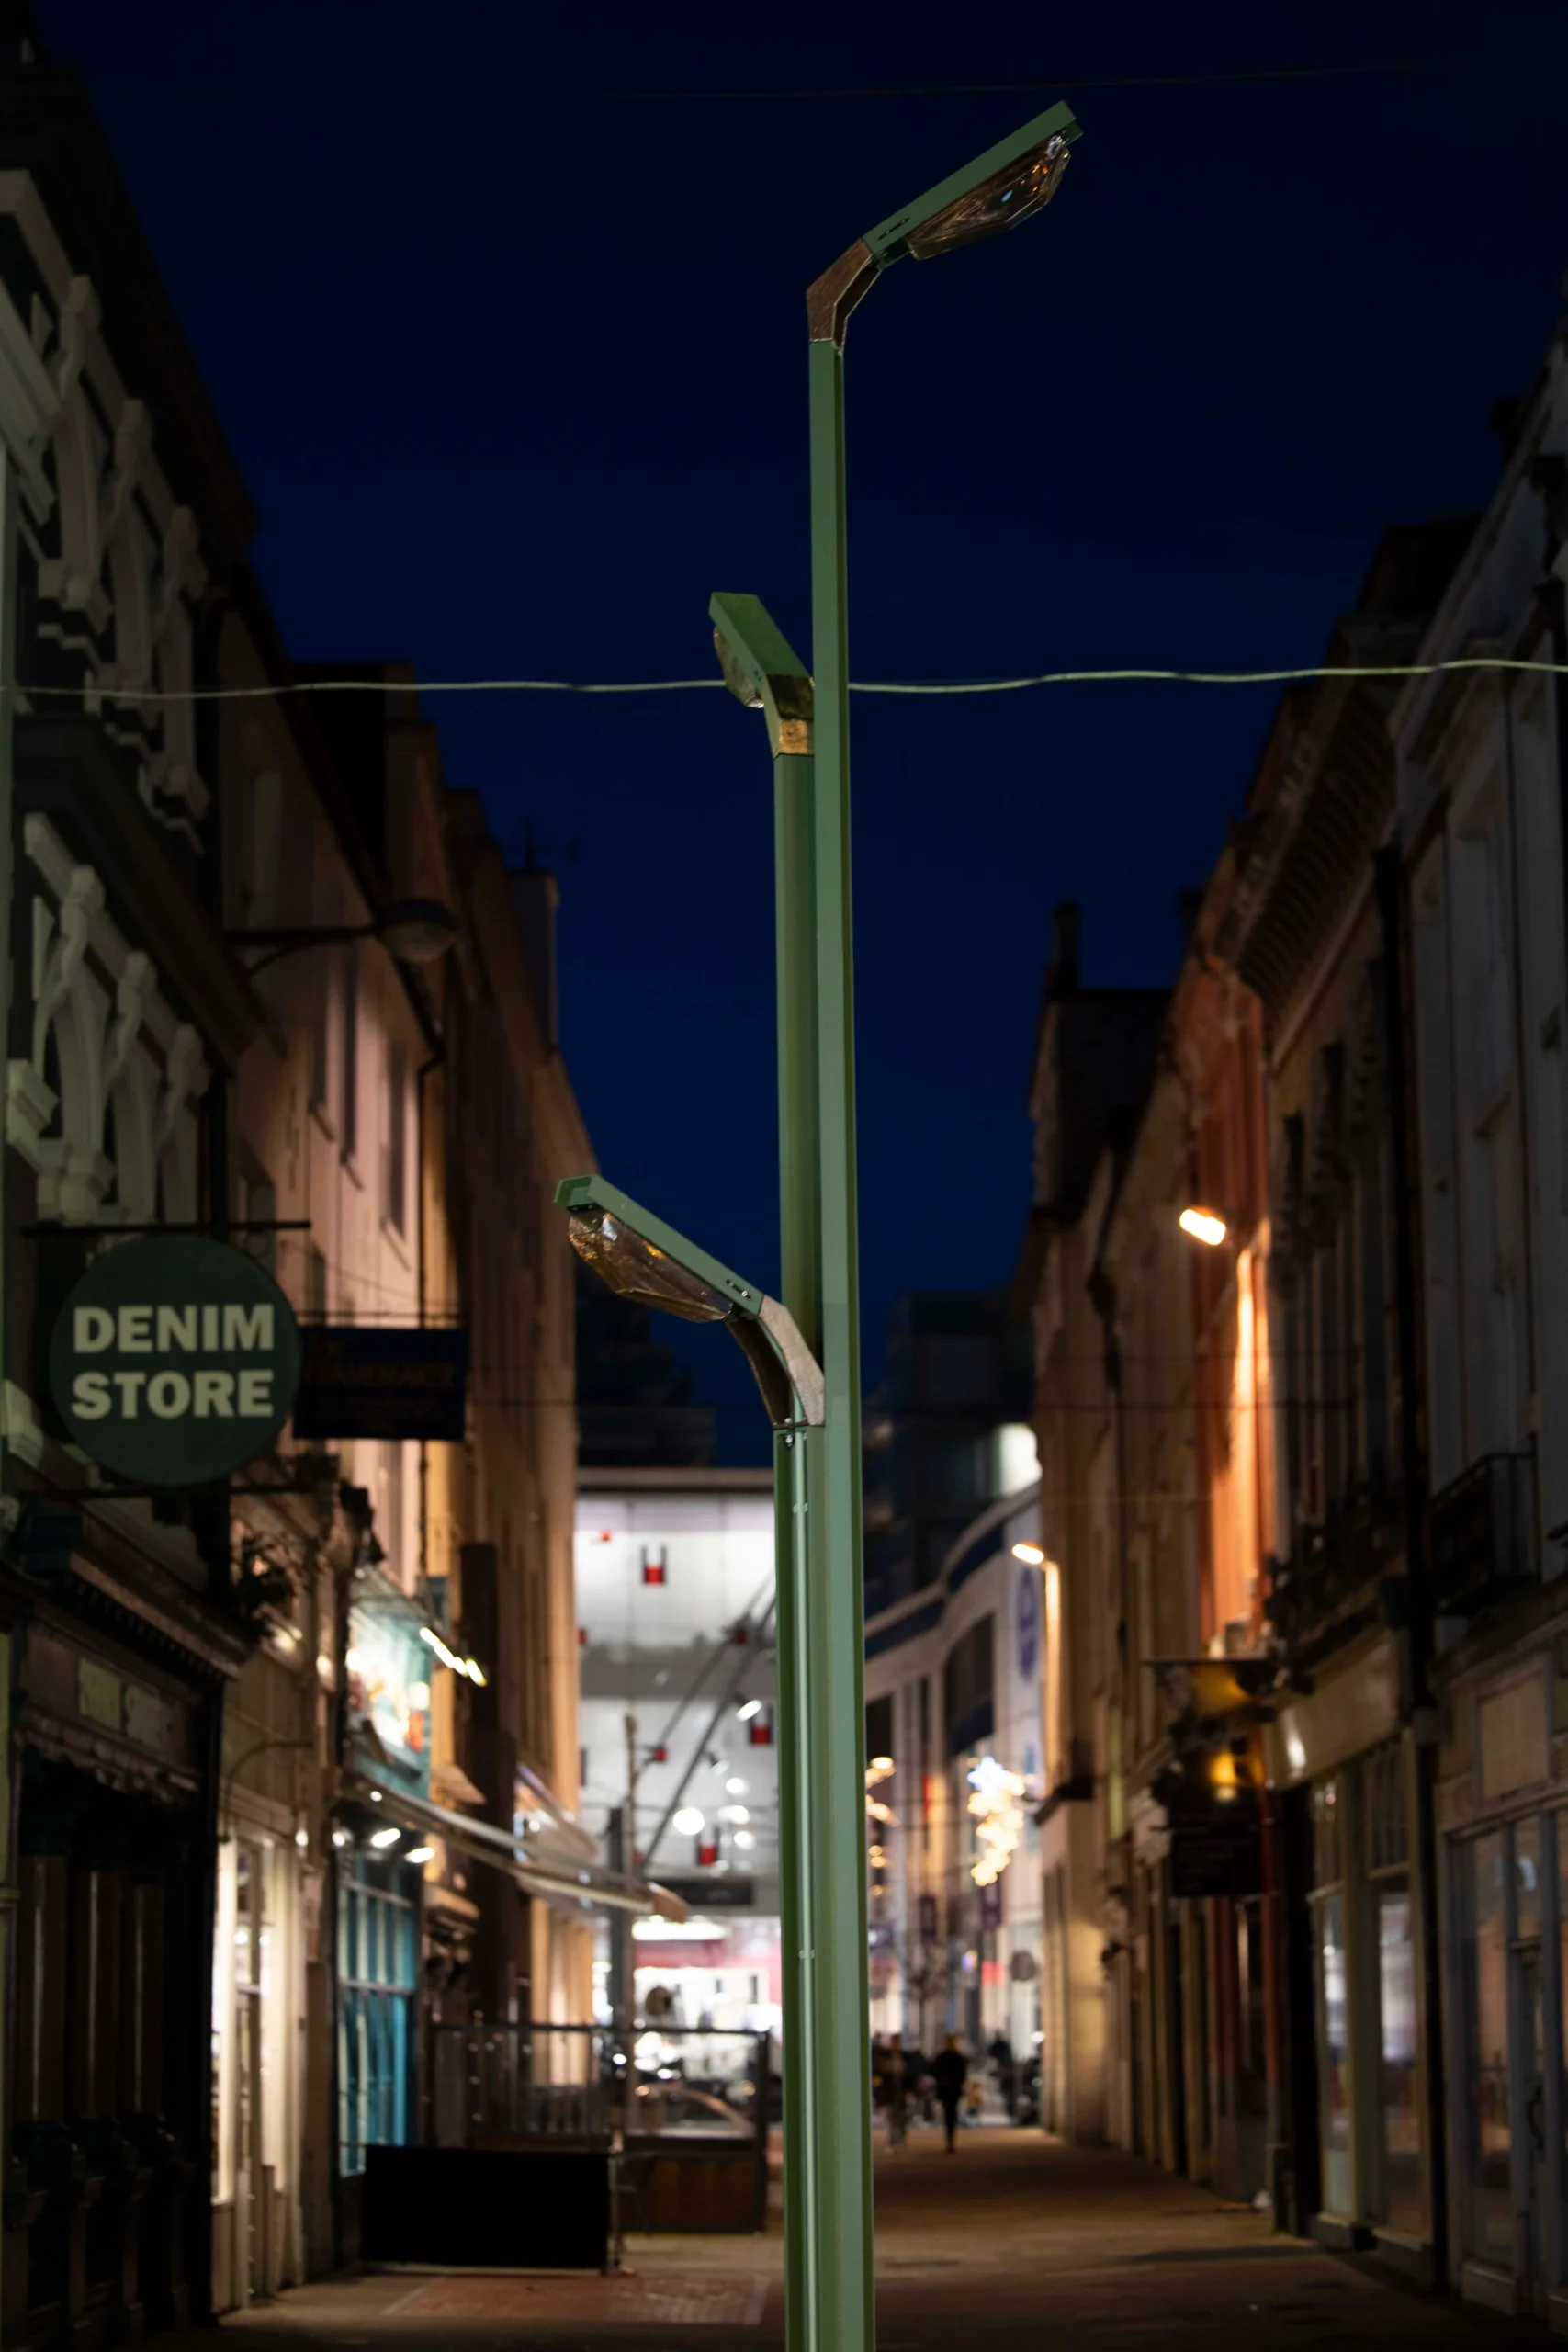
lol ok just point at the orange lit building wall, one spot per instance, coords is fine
(1220, 1048)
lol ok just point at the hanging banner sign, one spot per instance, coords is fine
(175, 1361)
(389, 1691)
(359, 1380)
(1216, 1856)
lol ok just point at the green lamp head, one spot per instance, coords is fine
(1009, 182)
(644, 1258)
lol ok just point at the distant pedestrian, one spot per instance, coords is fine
(1001, 2058)
(895, 2076)
(950, 2070)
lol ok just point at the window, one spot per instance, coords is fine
(350, 1072)
(968, 1678)
(378, 1944)
(392, 1514)
(394, 1160)
(1332, 1990)
(1397, 2197)
(1485, 1958)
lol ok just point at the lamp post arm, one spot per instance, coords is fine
(279, 943)
(784, 1366)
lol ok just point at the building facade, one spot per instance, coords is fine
(1480, 768)
(954, 1684)
(676, 1603)
(1094, 1060)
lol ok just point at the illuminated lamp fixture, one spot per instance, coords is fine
(1204, 1225)
(745, 1839)
(748, 1710)
(882, 1766)
(1030, 1554)
(383, 1839)
(419, 1854)
(689, 1822)
(642, 1258)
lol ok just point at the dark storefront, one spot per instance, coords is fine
(119, 1669)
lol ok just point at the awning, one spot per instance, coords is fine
(584, 1887)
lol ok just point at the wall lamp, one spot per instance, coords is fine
(1204, 1225)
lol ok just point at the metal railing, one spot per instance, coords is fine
(665, 2092)
(1484, 1535)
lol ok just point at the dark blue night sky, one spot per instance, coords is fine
(513, 363)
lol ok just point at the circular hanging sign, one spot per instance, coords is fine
(175, 1361)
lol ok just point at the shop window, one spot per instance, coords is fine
(1385, 1809)
(1485, 1957)
(377, 1942)
(1332, 1993)
(1325, 1866)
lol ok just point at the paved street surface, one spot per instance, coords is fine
(1013, 2242)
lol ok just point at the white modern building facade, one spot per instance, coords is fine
(676, 1627)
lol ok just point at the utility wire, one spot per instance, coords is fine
(134, 698)
(515, 94)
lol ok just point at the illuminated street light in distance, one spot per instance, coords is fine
(689, 1822)
(382, 1838)
(1030, 1553)
(419, 1854)
(1204, 1226)
(745, 1840)
(747, 1708)
(882, 1764)
(737, 1787)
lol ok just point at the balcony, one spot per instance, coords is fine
(1314, 1596)
(1483, 1535)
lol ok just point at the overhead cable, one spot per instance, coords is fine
(135, 696)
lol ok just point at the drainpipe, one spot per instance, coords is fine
(1417, 1637)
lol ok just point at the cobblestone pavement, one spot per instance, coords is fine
(1015, 2242)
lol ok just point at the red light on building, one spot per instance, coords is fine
(659, 1756)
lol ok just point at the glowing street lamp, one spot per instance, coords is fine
(643, 1258)
(1204, 1225)
(1032, 1555)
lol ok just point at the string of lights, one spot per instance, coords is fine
(94, 691)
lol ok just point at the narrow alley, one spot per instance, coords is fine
(1017, 2240)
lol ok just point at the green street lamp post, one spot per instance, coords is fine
(828, 2193)
(806, 1351)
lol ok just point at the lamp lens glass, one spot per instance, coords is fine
(1009, 196)
(639, 1270)
(418, 931)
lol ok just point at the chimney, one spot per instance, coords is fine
(1062, 972)
(536, 894)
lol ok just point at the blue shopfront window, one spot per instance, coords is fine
(378, 1968)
